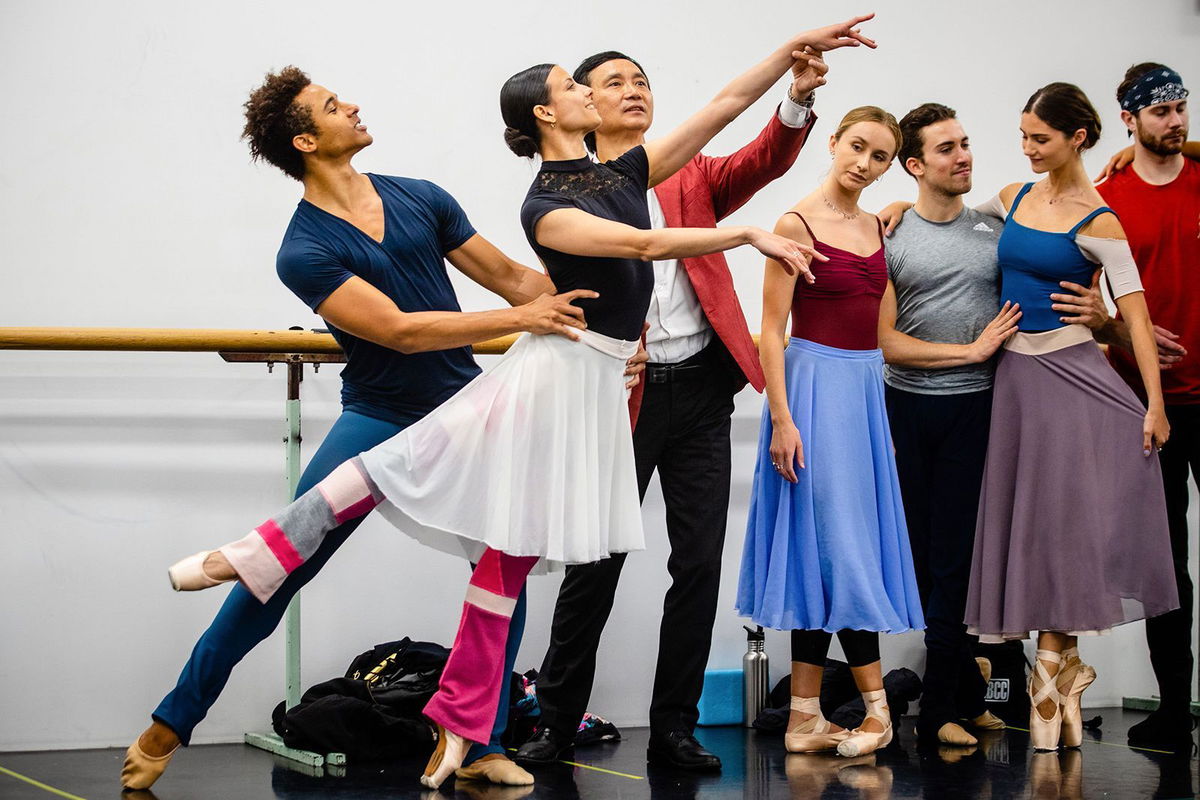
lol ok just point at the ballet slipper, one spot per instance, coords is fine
(188, 575)
(861, 742)
(140, 770)
(495, 768)
(814, 734)
(987, 721)
(953, 734)
(447, 757)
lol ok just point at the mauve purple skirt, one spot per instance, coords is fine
(1072, 527)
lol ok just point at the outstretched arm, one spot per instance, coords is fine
(668, 154)
(574, 231)
(359, 308)
(735, 178)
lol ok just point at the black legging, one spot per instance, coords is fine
(810, 647)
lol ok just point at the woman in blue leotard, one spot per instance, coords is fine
(1072, 531)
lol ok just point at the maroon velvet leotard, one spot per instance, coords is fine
(842, 308)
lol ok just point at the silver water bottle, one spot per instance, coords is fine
(754, 675)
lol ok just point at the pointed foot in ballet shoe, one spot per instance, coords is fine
(861, 743)
(954, 735)
(1072, 711)
(987, 721)
(140, 770)
(813, 742)
(495, 768)
(189, 575)
(1045, 732)
(447, 757)
(985, 668)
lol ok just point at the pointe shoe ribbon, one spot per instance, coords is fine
(814, 734)
(188, 575)
(447, 757)
(141, 770)
(1044, 733)
(495, 768)
(861, 742)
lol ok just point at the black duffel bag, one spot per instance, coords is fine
(374, 712)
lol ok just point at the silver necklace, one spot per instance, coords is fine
(1052, 200)
(838, 210)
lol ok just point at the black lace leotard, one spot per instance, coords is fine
(614, 190)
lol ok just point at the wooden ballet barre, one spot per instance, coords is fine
(191, 340)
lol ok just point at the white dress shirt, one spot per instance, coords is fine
(678, 327)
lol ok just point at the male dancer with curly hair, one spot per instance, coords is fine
(367, 253)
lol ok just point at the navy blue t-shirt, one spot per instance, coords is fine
(614, 190)
(320, 252)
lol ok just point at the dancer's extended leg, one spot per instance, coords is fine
(268, 554)
(243, 621)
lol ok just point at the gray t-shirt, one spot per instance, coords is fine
(947, 290)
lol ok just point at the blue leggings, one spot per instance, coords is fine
(243, 622)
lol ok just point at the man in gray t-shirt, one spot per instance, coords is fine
(944, 275)
(939, 327)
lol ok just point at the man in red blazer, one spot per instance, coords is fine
(701, 355)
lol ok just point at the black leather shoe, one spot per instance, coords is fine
(544, 747)
(1163, 727)
(680, 749)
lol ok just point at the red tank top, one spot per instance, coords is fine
(842, 308)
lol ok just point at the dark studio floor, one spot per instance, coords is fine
(756, 766)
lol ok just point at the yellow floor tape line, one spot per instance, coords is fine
(1108, 744)
(40, 785)
(597, 769)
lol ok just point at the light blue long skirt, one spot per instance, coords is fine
(830, 552)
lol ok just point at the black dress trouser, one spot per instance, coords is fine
(1170, 635)
(683, 432)
(941, 446)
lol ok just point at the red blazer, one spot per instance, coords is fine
(709, 189)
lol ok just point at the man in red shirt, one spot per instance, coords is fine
(1157, 198)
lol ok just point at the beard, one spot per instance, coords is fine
(1163, 146)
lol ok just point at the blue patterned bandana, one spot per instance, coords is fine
(1156, 86)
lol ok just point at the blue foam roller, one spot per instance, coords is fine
(721, 698)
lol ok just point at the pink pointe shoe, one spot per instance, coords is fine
(1044, 733)
(447, 757)
(188, 575)
(1080, 677)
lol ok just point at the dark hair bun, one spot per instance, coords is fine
(519, 143)
(1064, 107)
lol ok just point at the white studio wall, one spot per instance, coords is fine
(127, 200)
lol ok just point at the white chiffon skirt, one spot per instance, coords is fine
(534, 457)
